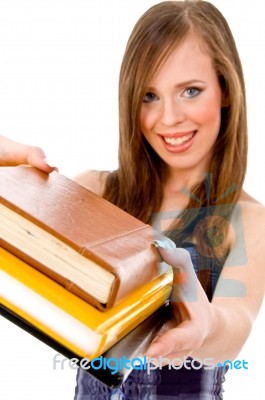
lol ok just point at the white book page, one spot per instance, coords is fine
(48, 314)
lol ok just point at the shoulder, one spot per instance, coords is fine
(252, 210)
(93, 180)
(252, 214)
(245, 283)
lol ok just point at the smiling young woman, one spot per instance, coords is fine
(183, 136)
(179, 29)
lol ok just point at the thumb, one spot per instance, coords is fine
(185, 280)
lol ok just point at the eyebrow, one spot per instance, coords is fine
(190, 82)
(184, 84)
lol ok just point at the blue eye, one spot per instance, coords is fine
(149, 97)
(192, 92)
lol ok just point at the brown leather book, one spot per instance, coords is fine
(88, 245)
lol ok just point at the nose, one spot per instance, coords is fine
(171, 113)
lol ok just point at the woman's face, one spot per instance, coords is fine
(181, 111)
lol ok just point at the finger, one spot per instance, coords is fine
(14, 153)
(175, 256)
(182, 339)
(36, 158)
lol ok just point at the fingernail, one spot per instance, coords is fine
(150, 355)
(47, 161)
(166, 244)
(50, 164)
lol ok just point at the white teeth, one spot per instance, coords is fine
(179, 140)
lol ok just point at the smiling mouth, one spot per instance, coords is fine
(178, 141)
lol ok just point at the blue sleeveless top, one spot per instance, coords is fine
(159, 384)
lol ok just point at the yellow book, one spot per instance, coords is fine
(69, 320)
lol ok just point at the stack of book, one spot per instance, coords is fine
(75, 270)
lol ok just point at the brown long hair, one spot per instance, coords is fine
(137, 185)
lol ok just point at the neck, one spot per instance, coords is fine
(177, 194)
(183, 181)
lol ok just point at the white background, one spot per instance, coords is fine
(59, 65)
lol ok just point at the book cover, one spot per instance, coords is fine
(85, 243)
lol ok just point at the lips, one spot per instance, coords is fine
(179, 141)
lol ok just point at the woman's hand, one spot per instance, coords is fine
(191, 321)
(14, 153)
